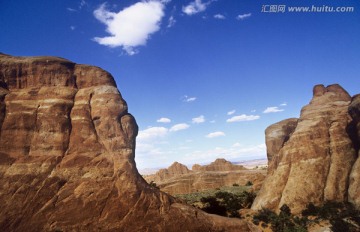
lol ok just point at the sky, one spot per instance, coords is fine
(203, 78)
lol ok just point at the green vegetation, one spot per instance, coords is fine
(284, 222)
(226, 201)
(193, 198)
(342, 217)
(249, 183)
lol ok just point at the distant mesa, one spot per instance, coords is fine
(218, 165)
(178, 179)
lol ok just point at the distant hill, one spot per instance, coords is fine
(178, 179)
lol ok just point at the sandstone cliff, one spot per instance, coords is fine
(177, 179)
(312, 159)
(67, 146)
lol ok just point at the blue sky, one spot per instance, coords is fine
(202, 78)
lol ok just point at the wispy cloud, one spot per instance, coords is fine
(151, 134)
(219, 16)
(82, 4)
(178, 127)
(71, 9)
(188, 99)
(195, 7)
(231, 112)
(283, 104)
(72, 28)
(171, 21)
(243, 117)
(130, 27)
(215, 134)
(272, 109)
(243, 16)
(199, 119)
(164, 120)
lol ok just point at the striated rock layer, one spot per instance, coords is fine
(178, 179)
(67, 146)
(315, 163)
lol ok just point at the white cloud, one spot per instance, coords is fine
(272, 109)
(164, 120)
(151, 134)
(215, 134)
(178, 127)
(243, 117)
(171, 21)
(219, 16)
(236, 145)
(188, 99)
(71, 9)
(199, 119)
(132, 26)
(231, 112)
(243, 16)
(283, 104)
(195, 7)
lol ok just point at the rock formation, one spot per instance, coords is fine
(67, 146)
(312, 159)
(177, 179)
(354, 183)
(276, 135)
(218, 165)
(175, 169)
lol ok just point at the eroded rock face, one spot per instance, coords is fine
(276, 136)
(67, 146)
(354, 185)
(315, 163)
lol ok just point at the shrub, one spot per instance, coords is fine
(213, 206)
(339, 225)
(235, 185)
(284, 222)
(153, 184)
(249, 183)
(336, 213)
(247, 198)
(310, 210)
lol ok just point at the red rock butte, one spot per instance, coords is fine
(67, 147)
(314, 158)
